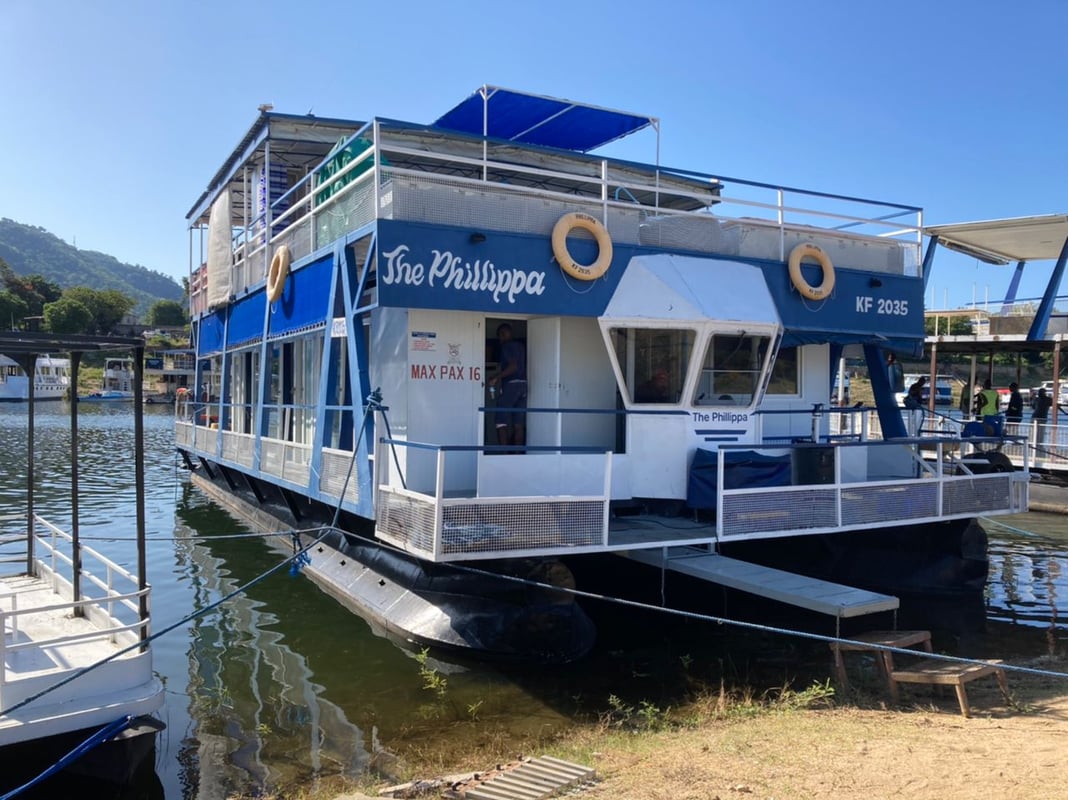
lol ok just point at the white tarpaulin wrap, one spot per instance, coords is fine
(671, 287)
(220, 251)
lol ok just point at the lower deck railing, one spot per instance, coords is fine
(108, 598)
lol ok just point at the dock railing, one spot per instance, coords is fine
(109, 593)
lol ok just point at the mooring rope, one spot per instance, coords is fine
(97, 738)
(183, 621)
(755, 626)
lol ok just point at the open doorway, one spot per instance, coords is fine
(494, 390)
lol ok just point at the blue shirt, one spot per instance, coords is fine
(513, 353)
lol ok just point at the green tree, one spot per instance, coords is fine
(34, 290)
(12, 310)
(948, 326)
(108, 306)
(166, 312)
(68, 316)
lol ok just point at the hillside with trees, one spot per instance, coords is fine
(33, 251)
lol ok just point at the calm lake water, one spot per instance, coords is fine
(282, 686)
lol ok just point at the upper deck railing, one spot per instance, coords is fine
(391, 170)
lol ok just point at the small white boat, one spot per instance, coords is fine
(51, 379)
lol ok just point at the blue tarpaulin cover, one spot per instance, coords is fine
(741, 469)
(534, 119)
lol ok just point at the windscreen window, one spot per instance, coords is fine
(653, 362)
(731, 370)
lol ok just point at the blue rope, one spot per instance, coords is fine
(95, 740)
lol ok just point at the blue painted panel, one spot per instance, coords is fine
(856, 311)
(429, 266)
(246, 319)
(211, 330)
(305, 300)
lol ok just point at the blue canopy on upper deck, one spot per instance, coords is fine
(538, 120)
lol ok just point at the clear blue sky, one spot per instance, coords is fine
(117, 112)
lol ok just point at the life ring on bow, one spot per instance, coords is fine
(584, 272)
(806, 289)
(279, 271)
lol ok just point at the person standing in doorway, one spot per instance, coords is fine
(511, 418)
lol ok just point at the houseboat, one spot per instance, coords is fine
(168, 372)
(51, 379)
(116, 385)
(489, 354)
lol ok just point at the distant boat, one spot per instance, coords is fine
(117, 385)
(51, 379)
(107, 396)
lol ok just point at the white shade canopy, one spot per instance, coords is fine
(1002, 241)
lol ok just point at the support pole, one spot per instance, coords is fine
(1056, 384)
(28, 363)
(139, 484)
(932, 380)
(1049, 297)
(76, 546)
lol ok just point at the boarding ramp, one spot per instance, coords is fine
(824, 597)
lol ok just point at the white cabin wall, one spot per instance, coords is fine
(543, 380)
(446, 357)
(586, 381)
(815, 382)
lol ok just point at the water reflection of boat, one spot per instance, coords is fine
(248, 689)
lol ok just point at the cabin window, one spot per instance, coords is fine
(244, 388)
(731, 370)
(785, 374)
(653, 362)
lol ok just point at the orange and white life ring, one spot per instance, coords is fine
(584, 272)
(276, 276)
(806, 289)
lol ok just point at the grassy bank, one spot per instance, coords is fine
(783, 743)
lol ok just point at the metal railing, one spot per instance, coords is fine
(642, 203)
(109, 602)
(861, 485)
(475, 521)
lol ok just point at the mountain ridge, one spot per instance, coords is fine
(33, 250)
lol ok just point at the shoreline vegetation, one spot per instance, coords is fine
(784, 743)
